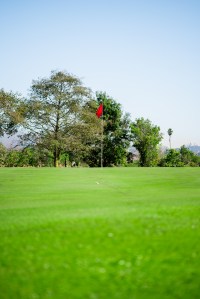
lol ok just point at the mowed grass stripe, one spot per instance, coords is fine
(100, 233)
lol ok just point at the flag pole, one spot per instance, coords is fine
(102, 140)
(99, 113)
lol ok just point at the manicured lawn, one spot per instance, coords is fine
(115, 233)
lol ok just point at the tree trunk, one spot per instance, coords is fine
(55, 157)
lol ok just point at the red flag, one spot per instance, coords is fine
(99, 111)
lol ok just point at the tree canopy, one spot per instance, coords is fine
(61, 115)
(146, 138)
(12, 112)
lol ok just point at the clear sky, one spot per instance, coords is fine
(143, 53)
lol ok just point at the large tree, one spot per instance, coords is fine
(146, 138)
(12, 112)
(170, 132)
(116, 134)
(61, 115)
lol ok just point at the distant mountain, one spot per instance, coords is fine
(194, 148)
(9, 142)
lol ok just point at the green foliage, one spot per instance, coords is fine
(12, 112)
(180, 158)
(24, 157)
(170, 131)
(188, 157)
(172, 159)
(12, 158)
(3, 151)
(146, 138)
(135, 234)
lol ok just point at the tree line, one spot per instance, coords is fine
(57, 125)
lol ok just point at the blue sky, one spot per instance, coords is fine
(145, 54)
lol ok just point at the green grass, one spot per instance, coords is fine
(118, 233)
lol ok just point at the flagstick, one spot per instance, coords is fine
(102, 141)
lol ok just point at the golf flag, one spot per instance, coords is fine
(99, 111)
